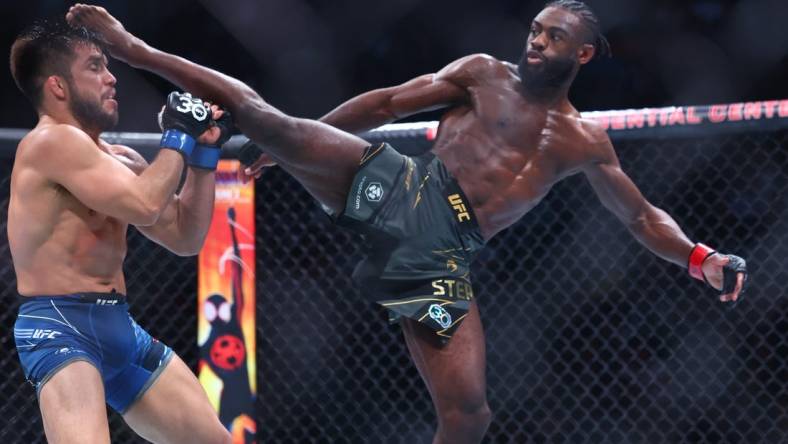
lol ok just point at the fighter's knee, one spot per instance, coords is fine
(479, 415)
(469, 419)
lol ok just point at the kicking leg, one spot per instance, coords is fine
(73, 407)
(324, 159)
(455, 377)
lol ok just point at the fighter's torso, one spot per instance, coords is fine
(505, 152)
(59, 245)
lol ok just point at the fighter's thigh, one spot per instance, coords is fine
(73, 406)
(455, 372)
(322, 158)
(175, 409)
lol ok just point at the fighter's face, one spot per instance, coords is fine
(550, 57)
(92, 89)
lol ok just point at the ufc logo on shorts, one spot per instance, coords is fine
(44, 334)
(106, 301)
(35, 333)
(456, 202)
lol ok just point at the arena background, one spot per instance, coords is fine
(590, 337)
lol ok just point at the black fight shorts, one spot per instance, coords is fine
(420, 237)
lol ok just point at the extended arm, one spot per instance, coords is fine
(375, 108)
(448, 87)
(650, 225)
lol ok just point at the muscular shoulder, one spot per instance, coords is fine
(474, 69)
(583, 136)
(597, 142)
(55, 134)
(52, 142)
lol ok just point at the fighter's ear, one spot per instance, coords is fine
(585, 53)
(56, 86)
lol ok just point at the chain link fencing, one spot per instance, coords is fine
(590, 337)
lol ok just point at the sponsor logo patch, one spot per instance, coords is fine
(440, 315)
(374, 192)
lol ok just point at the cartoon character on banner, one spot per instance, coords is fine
(225, 349)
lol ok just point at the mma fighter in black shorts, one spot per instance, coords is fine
(509, 133)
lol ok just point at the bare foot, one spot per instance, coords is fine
(120, 42)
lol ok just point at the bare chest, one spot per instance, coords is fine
(501, 134)
(507, 153)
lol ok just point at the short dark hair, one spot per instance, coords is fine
(589, 19)
(43, 49)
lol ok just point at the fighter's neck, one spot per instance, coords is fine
(55, 117)
(551, 98)
(557, 101)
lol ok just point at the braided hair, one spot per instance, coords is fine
(590, 20)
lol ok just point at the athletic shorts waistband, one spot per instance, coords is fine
(111, 298)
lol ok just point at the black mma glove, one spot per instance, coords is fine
(249, 153)
(735, 265)
(207, 156)
(183, 119)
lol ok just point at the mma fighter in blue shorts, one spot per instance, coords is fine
(509, 133)
(73, 196)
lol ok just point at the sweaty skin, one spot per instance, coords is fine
(506, 137)
(505, 151)
(73, 196)
(82, 249)
(506, 146)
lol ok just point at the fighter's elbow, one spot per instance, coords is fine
(146, 215)
(637, 224)
(147, 210)
(641, 219)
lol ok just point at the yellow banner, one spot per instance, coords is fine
(226, 301)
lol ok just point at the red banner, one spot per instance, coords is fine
(226, 301)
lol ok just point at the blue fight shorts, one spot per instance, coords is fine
(53, 331)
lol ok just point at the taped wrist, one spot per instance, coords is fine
(205, 157)
(698, 254)
(177, 140)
